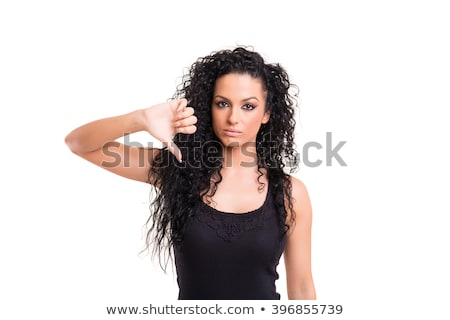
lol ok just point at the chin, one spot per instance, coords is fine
(229, 142)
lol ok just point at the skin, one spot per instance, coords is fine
(238, 111)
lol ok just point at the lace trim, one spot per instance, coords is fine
(229, 226)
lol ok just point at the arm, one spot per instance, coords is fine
(95, 141)
(297, 254)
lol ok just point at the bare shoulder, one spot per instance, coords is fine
(299, 190)
(300, 193)
(301, 203)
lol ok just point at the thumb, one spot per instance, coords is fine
(173, 148)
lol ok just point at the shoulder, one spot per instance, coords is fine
(301, 203)
(299, 190)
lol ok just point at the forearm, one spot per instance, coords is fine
(93, 135)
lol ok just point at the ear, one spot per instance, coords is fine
(266, 117)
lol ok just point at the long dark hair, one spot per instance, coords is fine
(182, 185)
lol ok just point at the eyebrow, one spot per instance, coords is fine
(243, 100)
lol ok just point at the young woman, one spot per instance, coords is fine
(225, 207)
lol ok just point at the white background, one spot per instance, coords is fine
(376, 75)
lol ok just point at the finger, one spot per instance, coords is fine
(186, 122)
(187, 129)
(186, 113)
(182, 104)
(173, 148)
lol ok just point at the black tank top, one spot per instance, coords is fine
(227, 256)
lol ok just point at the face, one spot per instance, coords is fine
(238, 109)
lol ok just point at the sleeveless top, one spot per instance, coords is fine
(228, 256)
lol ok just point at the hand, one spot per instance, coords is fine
(164, 120)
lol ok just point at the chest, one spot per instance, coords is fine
(238, 196)
(256, 231)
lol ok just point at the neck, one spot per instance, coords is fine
(241, 158)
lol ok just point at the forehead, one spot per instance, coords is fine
(239, 84)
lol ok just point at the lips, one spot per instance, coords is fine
(232, 132)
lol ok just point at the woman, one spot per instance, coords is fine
(224, 205)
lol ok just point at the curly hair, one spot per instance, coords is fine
(182, 185)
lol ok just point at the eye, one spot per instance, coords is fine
(221, 104)
(248, 107)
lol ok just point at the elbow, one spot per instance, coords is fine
(306, 294)
(72, 143)
(305, 291)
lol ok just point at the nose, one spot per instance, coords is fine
(233, 115)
